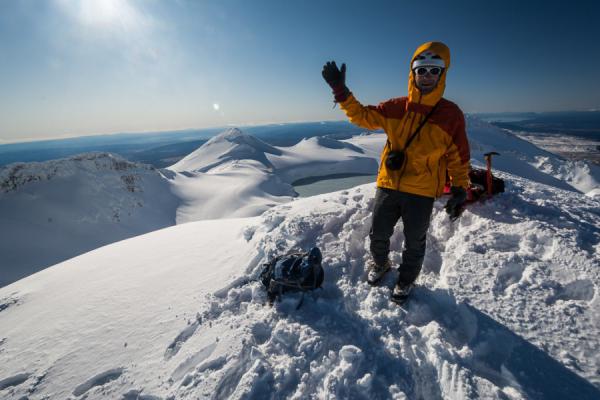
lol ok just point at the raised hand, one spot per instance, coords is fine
(334, 77)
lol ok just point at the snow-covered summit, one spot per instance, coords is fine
(507, 308)
(229, 145)
(101, 197)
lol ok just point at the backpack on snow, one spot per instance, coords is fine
(294, 272)
(480, 184)
(483, 183)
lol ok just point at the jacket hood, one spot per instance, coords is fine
(414, 94)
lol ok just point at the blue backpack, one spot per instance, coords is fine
(294, 272)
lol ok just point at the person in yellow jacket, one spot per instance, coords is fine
(426, 143)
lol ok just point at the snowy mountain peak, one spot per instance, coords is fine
(328, 143)
(230, 145)
(230, 135)
(239, 138)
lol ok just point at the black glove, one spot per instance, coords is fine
(454, 206)
(336, 78)
(333, 76)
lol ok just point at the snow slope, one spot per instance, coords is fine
(523, 158)
(507, 308)
(54, 210)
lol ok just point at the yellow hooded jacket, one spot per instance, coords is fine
(440, 147)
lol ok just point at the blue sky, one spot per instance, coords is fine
(80, 67)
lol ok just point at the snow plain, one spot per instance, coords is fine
(506, 307)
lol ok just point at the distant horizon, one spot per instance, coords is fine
(174, 131)
(4, 142)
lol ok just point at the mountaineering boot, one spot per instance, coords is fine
(401, 292)
(376, 271)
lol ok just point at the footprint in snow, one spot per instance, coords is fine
(194, 378)
(261, 332)
(183, 336)
(508, 274)
(98, 380)
(7, 302)
(506, 243)
(137, 395)
(580, 289)
(230, 380)
(14, 380)
(191, 362)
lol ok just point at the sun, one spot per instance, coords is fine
(101, 12)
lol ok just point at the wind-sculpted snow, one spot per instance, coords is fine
(349, 341)
(13, 380)
(506, 308)
(98, 380)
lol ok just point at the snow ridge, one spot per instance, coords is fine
(57, 209)
(17, 175)
(323, 141)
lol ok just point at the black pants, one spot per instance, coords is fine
(415, 211)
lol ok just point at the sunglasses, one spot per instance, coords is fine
(431, 70)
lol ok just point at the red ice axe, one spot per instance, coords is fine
(488, 161)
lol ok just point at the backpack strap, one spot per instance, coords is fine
(421, 125)
(416, 132)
